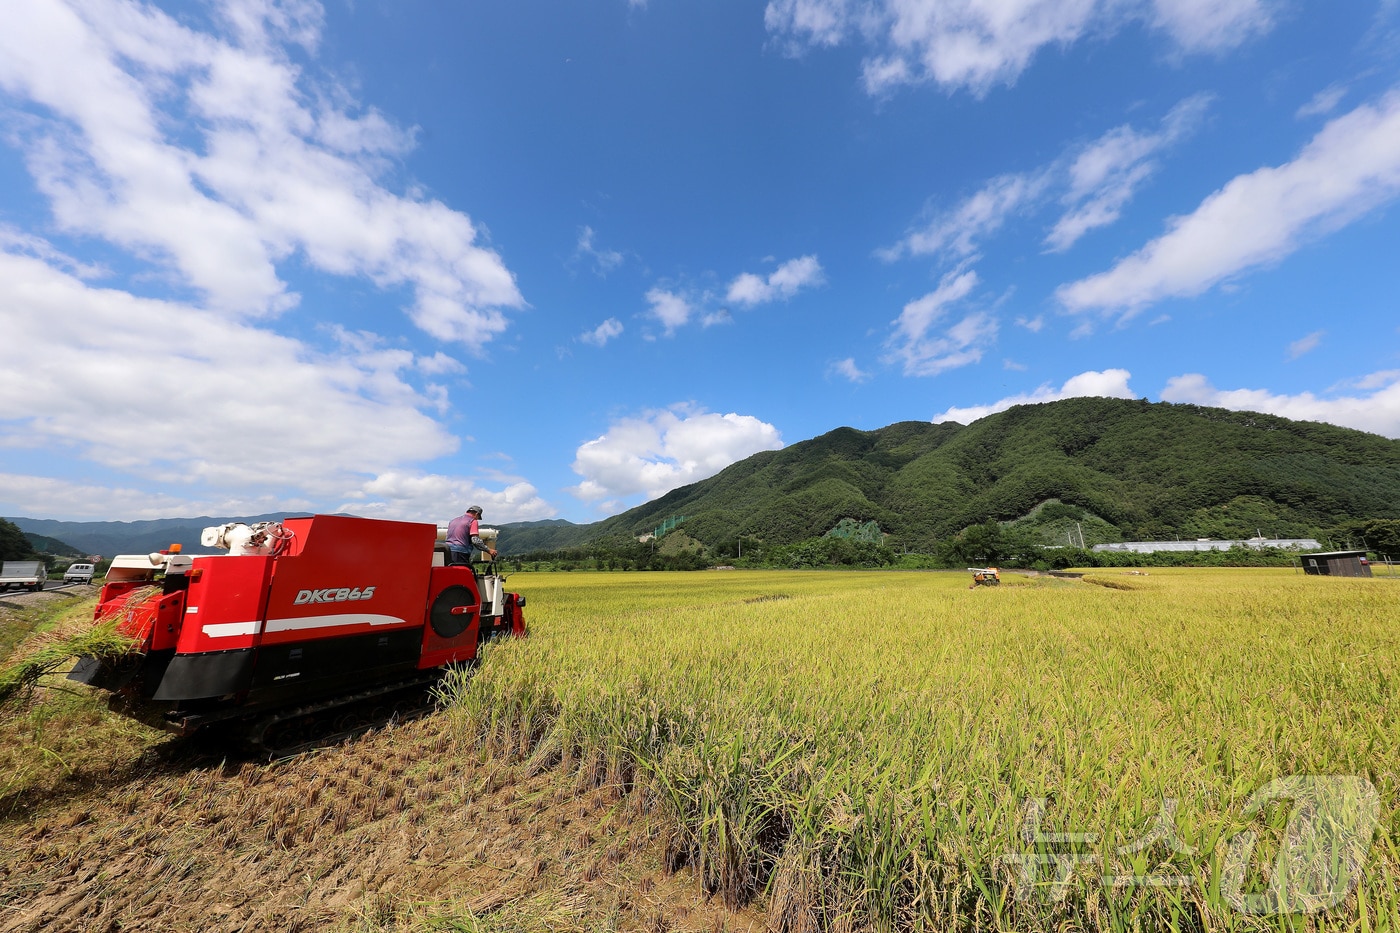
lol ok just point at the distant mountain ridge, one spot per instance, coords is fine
(1114, 469)
(1127, 468)
(139, 537)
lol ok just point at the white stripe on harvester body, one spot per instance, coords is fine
(348, 618)
(227, 629)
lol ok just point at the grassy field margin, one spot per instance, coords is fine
(62, 729)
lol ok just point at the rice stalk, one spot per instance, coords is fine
(57, 650)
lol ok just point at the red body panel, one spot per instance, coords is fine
(225, 603)
(349, 576)
(517, 619)
(165, 626)
(437, 650)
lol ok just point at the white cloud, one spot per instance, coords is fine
(440, 364)
(1323, 102)
(1305, 344)
(406, 495)
(919, 315)
(1212, 25)
(976, 44)
(273, 164)
(785, 281)
(600, 335)
(1110, 383)
(21, 243)
(749, 289)
(674, 309)
(1034, 324)
(924, 351)
(402, 496)
(955, 234)
(604, 260)
(818, 22)
(137, 383)
(1351, 167)
(960, 345)
(80, 500)
(184, 399)
(1099, 211)
(671, 309)
(660, 450)
(1378, 412)
(1095, 181)
(847, 369)
(1106, 175)
(259, 21)
(1377, 380)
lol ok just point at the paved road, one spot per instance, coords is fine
(19, 599)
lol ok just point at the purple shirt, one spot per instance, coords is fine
(460, 532)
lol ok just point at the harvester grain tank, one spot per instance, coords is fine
(299, 617)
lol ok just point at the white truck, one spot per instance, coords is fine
(78, 573)
(25, 574)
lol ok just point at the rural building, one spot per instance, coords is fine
(1203, 544)
(1337, 564)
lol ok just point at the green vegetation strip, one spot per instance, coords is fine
(899, 751)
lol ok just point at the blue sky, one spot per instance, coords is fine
(558, 258)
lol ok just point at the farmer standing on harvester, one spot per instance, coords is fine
(464, 538)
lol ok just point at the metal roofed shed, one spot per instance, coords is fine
(1337, 564)
(1205, 544)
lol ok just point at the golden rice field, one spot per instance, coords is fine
(896, 751)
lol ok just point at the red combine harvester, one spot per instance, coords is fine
(300, 621)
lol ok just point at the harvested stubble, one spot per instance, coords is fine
(868, 750)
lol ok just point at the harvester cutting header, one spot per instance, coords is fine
(300, 617)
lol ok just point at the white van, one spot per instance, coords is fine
(78, 573)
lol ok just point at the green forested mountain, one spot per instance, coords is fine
(46, 545)
(1120, 469)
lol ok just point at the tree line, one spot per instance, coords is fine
(987, 543)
